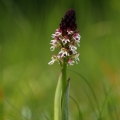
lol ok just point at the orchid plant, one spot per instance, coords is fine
(66, 38)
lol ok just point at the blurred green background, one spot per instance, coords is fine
(27, 82)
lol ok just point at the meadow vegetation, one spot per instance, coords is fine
(28, 83)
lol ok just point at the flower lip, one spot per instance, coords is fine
(71, 61)
(54, 58)
(63, 52)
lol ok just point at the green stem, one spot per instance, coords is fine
(64, 80)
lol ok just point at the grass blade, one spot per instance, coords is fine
(91, 103)
(80, 113)
(1, 104)
(100, 115)
(45, 116)
(109, 107)
(19, 112)
(92, 91)
(57, 99)
(28, 103)
(109, 111)
(115, 109)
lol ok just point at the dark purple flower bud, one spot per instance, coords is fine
(68, 22)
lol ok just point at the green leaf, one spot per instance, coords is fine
(57, 99)
(65, 103)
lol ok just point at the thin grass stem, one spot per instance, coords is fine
(19, 112)
(92, 91)
(91, 103)
(80, 113)
(100, 115)
(115, 109)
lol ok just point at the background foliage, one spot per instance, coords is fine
(28, 82)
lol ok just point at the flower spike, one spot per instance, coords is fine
(66, 37)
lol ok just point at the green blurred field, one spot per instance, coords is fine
(28, 82)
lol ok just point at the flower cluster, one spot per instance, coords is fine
(66, 38)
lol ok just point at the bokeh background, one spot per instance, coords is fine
(27, 82)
